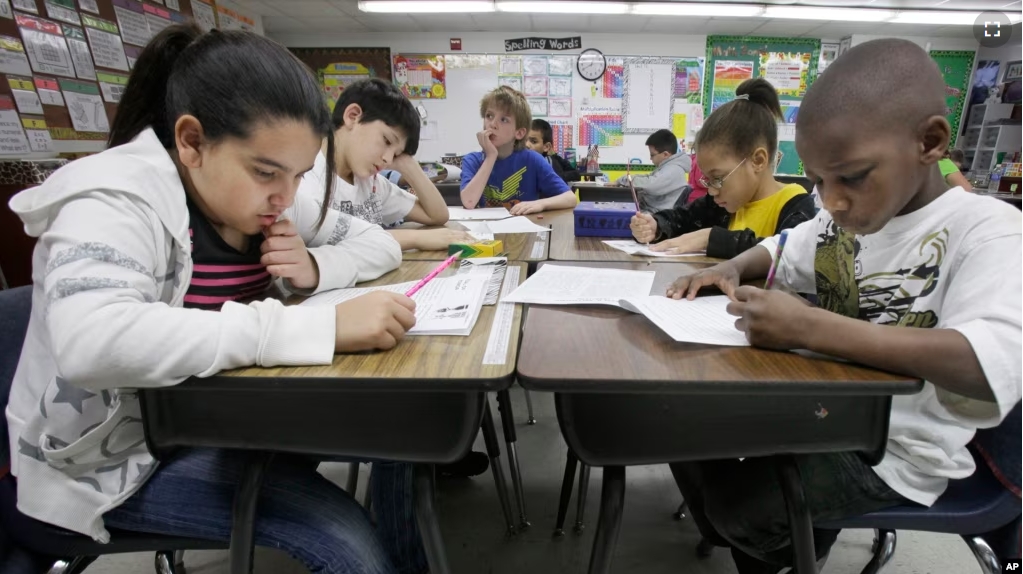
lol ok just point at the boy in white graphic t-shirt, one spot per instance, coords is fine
(911, 276)
(377, 128)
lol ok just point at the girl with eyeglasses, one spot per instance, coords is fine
(735, 150)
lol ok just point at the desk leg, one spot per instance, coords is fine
(243, 540)
(494, 451)
(510, 438)
(609, 525)
(426, 518)
(803, 556)
(571, 462)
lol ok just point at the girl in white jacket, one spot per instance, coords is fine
(144, 252)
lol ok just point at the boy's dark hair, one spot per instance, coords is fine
(545, 130)
(747, 122)
(382, 101)
(957, 156)
(663, 141)
(230, 81)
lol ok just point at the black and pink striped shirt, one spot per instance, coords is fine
(221, 273)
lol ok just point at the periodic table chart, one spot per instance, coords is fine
(580, 112)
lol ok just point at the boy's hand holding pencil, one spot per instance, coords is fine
(772, 319)
(644, 227)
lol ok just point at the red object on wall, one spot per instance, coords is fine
(456, 44)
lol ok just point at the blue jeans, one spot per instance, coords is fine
(299, 511)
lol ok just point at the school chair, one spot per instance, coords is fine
(68, 552)
(983, 509)
(571, 462)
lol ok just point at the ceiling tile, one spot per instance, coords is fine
(732, 26)
(314, 8)
(502, 22)
(444, 22)
(560, 22)
(389, 23)
(667, 25)
(609, 23)
(776, 27)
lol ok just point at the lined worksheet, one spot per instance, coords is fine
(479, 214)
(702, 320)
(564, 285)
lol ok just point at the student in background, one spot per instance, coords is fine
(696, 186)
(376, 127)
(735, 148)
(662, 188)
(950, 167)
(194, 205)
(541, 140)
(911, 276)
(505, 173)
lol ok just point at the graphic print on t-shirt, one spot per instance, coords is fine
(368, 210)
(508, 192)
(886, 297)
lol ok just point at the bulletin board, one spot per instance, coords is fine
(337, 68)
(64, 65)
(956, 67)
(580, 112)
(790, 64)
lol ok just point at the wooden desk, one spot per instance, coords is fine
(627, 394)
(421, 402)
(529, 247)
(565, 246)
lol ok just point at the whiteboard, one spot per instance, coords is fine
(452, 123)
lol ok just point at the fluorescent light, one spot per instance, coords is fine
(427, 6)
(935, 17)
(564, 7)
(691, 9)
(836, 14)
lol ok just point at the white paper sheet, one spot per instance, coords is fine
(87, 112)
(518, 224)
(479, 214)
(28, 102)
(702, 320)
(564, 285)
(12, 137)
(445, 306)
(632, 248)
(48, 53)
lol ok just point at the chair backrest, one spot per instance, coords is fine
(15, 309)
(1001, 449)
(683, 197)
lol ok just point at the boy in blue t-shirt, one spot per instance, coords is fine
(505, 174)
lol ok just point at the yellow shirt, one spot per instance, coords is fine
(762, 216)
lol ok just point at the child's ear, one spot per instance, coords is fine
(188, 139)
(760, 159)
(520, 133)
(547, 147)
(935, 133)
(353, 113)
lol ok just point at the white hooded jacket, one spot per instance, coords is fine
(110, 270)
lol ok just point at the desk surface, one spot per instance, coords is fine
(517, 246)
(565, 246)
(604, 349)
(423, 363)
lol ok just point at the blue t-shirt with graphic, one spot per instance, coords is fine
(523, 176)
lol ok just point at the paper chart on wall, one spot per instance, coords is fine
(787, 72)
(132, 20)
(728, 74)
(89, 6)
(537, 107)
(49, 91)
(561, 65)
(600, 126)
(204, 15)
(649, 96)
(5, 9)
(420, 76)
(12, 57)
(107, 49)
(47, 51)
(534, 86)
(25, 96)
(63, 10)
(510, 66)
(559, 107)
(534, 65)
(26, 5)
(513, 82)
(39, 139)
(564, 135)
(12, 136)
(80, 52)
(85, 106)
(559, 87)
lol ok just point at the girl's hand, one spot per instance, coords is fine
(644, 227)
(376, 320)
(285, 256)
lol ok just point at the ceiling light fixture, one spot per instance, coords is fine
(935, 17)
(828, 14)
(555, 7)
(693, 9)
(427, 7)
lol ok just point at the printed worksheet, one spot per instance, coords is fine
(565, 285)
(633, 248)
(702, 320)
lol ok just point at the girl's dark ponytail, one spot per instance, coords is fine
(747, 122)
(144, 102)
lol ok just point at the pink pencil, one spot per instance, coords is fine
(429, 277)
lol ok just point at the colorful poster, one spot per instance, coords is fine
(612, 83)
(337, 76)
(420, 76)
(564, 135)
(678, 126)
(47, 51)
(728, 74)
(600, 126)
(787, 72)
(788, 161)
(955, 67)
(689, 80)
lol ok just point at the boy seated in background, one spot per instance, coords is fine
(662, 188)
(912, 277)
(505, 173)
(541, 140)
